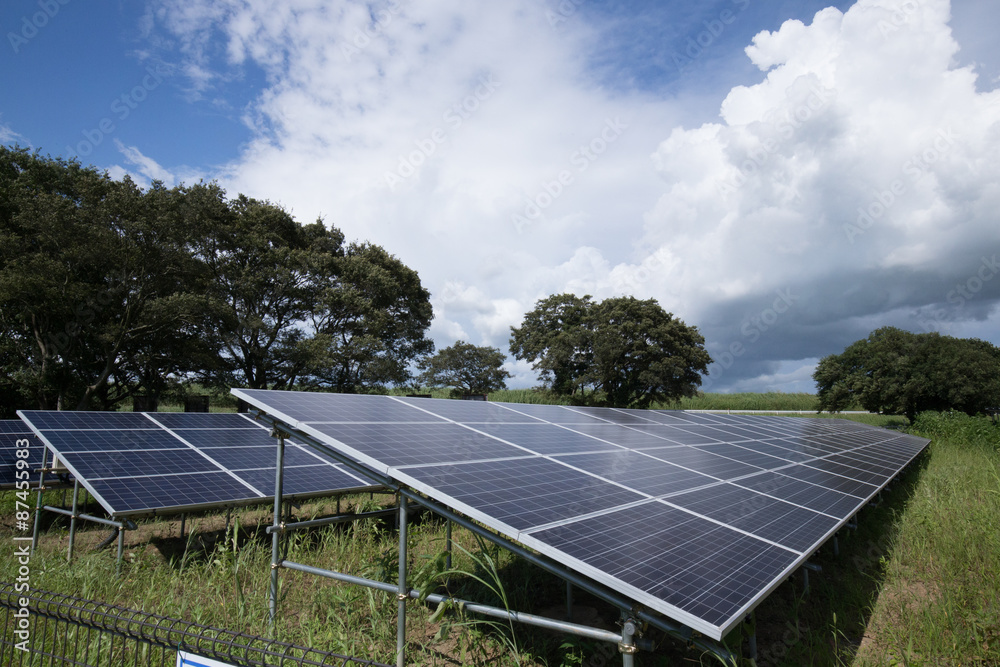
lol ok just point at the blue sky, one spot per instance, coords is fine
(786, 175)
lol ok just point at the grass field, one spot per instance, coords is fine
(918, 582)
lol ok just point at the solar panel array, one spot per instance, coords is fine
(697, 516)
(145, 463)
(13, 431)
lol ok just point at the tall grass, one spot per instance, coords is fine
(940, 602)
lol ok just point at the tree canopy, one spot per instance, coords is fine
(466, 368)
(899, 372)
(108, 291)
(622, 351)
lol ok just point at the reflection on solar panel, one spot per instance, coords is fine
(697, 516)
(144, 463)
(12, 432)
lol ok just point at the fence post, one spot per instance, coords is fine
(276, 537)
(404, 591)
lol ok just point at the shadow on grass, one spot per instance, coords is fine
(827, 625)
(823, 628)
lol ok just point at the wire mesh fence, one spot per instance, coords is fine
(46, 629)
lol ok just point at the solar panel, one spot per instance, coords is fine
(146, 463)
(697, 516)
(13, 432)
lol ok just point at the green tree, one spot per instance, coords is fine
(624, 351)
(466, 368)
(642, 355)
(555, 337)
(295, 306)
(903, 373)
(89, 275)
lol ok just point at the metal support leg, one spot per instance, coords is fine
(569, 601)
(279, 474)
(38, 502)
(805, 575)
(751, 622)
(72, 519)
(338, 504)
(447, 544)
(627, 646)
(836, 547)
(404, 591)
(121, 550)
(183, 518)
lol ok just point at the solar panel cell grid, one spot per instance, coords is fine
(697, 516)
(13, 431)
(133, 471)
(546, 438)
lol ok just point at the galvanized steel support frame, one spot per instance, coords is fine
(626, 645)
(73, 515)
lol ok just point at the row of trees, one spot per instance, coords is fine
(898, 372)
(107, 290)
(622, 352)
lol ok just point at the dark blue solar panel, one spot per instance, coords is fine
(13, 426)
(675, 435)
(204, 438)
(829, 480)
(704, 462)
(165, 493)
(630, 437)
(525, 493)
(616, 416)
(795, 491)
(696, 515)
(241, 458)
(406, 444)
(135, 471)
(639, 471)
(216, 420)
(54, 419)
(305, 480)
(469, 412)
(703, 569)
(554, 414)
(12, 432)
(315, 407)
(110, 441)
(774, 520)
(546, 438)
(112, 465)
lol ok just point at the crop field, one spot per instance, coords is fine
(917, 583)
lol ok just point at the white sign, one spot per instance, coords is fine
(185, 659)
